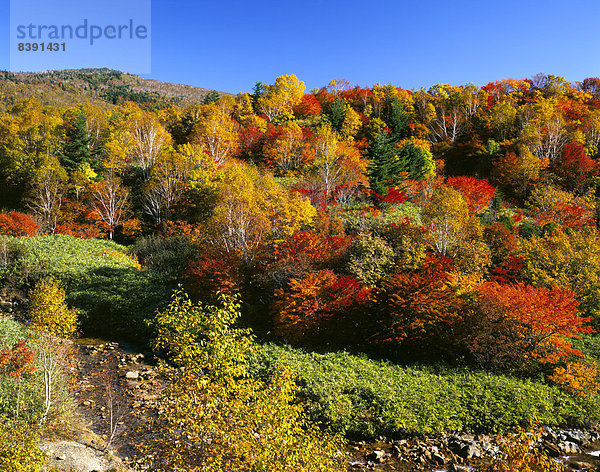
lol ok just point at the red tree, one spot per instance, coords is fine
(478, 193)
(18, 224)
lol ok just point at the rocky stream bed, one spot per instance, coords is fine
(114, 381)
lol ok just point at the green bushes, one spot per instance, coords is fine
(112, 292)
(28, 391)
(67, 259)
(364, 398)
(170, 256)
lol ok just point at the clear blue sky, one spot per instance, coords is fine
(229, 45)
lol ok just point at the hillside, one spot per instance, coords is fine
(102, 86)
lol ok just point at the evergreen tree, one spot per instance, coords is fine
(415, 161)
(384, 168)
(394, 114)
(337, 114)
(211, 97)
(77, 148)
(255, 95)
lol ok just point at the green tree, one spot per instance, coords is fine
(384, 168)
(77, 148)
(211, 97)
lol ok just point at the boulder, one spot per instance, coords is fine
(73, 456)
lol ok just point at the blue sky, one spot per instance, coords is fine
(229, 45)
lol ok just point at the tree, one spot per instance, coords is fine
(284, 147)
(416, 161)
(418, 311)
(217, 132)
(525, 324)
(336, 164)
(253, 209)
(371, 259)
(17, 224)
(320, 307)
(46, 194)
(110, 201)
(48, 311)
(148, 139)
(446, 218)
(211, 97)
(384, 168)
(277, 100)
(169, 178)
(214, 415)
(566, 261)
(77, 147)
(477, 192)
(30, 138)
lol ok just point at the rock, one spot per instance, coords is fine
(578, 465)
(70, 455)
(438, 458)
(376, 456)
(551, 449)
(132, 375)
(578, 437)
(568, 447)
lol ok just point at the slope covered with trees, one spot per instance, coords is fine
(456, 225)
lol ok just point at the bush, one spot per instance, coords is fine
(19, 448)
(112, 292)
(27, 390)
(170, 256)
(371, 259)
(365, 398)
(520, 452)
(48, 311)
(67, 259)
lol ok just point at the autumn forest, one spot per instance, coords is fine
(259, 245)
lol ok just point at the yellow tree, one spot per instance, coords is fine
(30, 137)
(45, 195)
(446, 218)
(568, 261)
(544, 129)
(252, 209)
(337, 164)
(214, 415)
(148, 138)
(110, 201)
(217, 132)
(286, 149)
(278, 99)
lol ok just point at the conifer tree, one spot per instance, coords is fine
(77, 148)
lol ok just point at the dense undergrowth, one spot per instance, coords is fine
(362, 398)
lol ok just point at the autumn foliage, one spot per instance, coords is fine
(18, 224)
(478, 193)
(320, 307)
(520, 323)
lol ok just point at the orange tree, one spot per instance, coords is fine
(517, 325)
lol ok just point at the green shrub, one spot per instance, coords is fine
(356, 220)
(27, 391)
(108, 286)
(170, 256)
(67, 259)
(365, 398)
